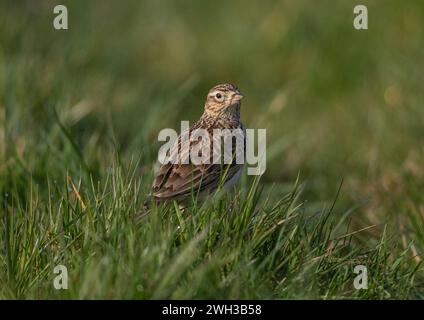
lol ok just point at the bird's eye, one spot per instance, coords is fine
(218, 95)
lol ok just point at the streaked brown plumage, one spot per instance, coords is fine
(178, 181)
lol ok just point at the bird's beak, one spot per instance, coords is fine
(237, 96)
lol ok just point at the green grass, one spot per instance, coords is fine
(234, 247)
(80, 111)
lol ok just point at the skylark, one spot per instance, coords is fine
(178, 180)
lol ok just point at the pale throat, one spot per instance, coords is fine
(231, 113)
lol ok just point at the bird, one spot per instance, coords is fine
(183, 177)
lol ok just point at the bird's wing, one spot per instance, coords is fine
(181, 181)
(179, 178)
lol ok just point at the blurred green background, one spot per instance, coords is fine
(337, 103)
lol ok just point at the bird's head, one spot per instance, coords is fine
(223, 98)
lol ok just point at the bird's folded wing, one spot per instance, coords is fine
(182, 180)
(179, 178)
